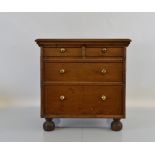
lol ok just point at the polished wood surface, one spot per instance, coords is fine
(83, 78)
(68, 52)
(83, 100)
(75, 52)
(104, 52)
(86, 72)
(80, 42)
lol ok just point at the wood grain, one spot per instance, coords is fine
(83, 100)
(82, 84)
(88, 72)
(97, 52)
(69, 52)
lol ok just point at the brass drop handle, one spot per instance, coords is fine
(62, 97)
(62, 71)
(62, 50)
(103, 97)
(103, 71)
(104, 50)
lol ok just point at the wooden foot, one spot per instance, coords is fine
(48, 125)
(116, 125)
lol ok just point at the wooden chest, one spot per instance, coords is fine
(83, 78)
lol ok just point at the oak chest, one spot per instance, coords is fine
(83, 78)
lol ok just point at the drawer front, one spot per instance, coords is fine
(101, 52)
(62, 52)
(83, 72)
(83, 100)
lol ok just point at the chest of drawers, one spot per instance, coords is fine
(83, 78)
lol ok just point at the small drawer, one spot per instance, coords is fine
(83, 72)
(62, 52)
(103, 52)
(83, 100)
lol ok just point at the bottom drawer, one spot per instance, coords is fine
(82, 100)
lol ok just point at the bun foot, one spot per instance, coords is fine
(116, 125)
(48, 125)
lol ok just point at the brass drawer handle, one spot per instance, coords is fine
(104, 50)
(62, 71)
(62, 97)
(103, 97)
(62, 50)
(103, 71)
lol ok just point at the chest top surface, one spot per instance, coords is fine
(87, 42)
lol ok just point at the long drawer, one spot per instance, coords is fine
(83, 100)
(90, 72)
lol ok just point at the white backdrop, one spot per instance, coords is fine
(19, 55)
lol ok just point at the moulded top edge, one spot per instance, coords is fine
(44, 42)
(83, 40)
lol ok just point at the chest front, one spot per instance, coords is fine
(83, 78)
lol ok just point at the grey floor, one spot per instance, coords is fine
(24, 124)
